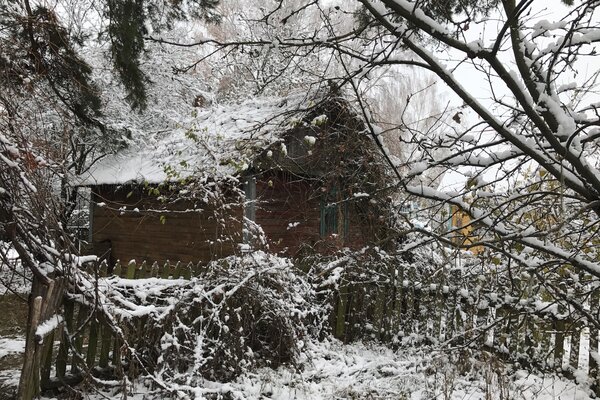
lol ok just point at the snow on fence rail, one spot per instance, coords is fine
(527, 327)
(80, 339)
(401, 311)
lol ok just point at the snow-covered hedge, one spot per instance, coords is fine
(243, 312)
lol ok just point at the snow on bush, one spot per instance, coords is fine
(241, 313)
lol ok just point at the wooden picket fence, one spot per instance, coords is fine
(525, 330)
(397, 311)
(83, 342)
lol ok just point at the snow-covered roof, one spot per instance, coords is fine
(219, 141)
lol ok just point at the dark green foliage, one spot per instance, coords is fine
(205, 9)
(38, 47)
(162, 13)
(34, 44)
(126, 31)
(458, 12)
(453, 10)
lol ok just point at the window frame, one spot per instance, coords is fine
(332, 209)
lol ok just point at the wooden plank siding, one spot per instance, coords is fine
(182, 232)
(136, 226)
(289, 211)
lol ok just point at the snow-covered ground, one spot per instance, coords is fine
(10, 349)
(11, 345)
(12, 276)
(332, 370)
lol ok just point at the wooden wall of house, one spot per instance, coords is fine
(289, 209)
(135, 226)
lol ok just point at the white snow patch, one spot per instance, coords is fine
(48, 326)
(218, 142)
(310, 140)
(11, 345)
(292, 225)
(320, 120)
(332, 370)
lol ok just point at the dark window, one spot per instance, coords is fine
(334, 208)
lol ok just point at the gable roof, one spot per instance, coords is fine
(217, 142)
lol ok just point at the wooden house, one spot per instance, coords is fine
(291, 175)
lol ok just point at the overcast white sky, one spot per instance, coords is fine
(474, 81)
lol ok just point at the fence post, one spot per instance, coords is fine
(131, 267)
(340, 321)
(166, 270)
(140, 272)
(407, 303)
(593, 352)
(416, 308)
(575, 329)
(482, 318)
(445, 307)
(92, 343)
(63, 349)
(452, 307)
(154, 270)
(187, 270)
(544, 341)
(54, 296)
(178, 270)
(103, 269)
(82, 315)
(379, 310)
(436, 291)
(145, 270)
(46, 364)
(105, 341)
(559, 343)
(42, 305)
(28, 387)
(118, 270)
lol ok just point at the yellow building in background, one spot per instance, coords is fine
(462, 230)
